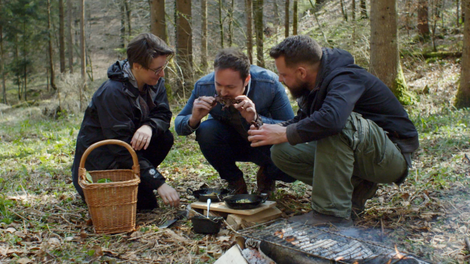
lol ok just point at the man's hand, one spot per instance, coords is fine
(201, 107)
(141, 138)
(246, 107)
(169, 195)
(267, 134)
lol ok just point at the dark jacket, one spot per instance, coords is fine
(342, 87)
(115, 113)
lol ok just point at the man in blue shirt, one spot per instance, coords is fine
(234, 96)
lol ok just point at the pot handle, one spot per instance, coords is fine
(264, 197)
(190, 191)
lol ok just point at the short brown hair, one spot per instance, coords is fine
(296, 49)
(235, 59)
(146, 47)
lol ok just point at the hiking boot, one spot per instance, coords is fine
(237, 186)
(317, 219)
(362, 192)
(265, 184)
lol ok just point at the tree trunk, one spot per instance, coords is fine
(318, 22)
(158, 19)
(249, 28)
(17, 59)
(295, 22)
(258, 14)
(384, 56)
(204, 62)
(277, 17)
(2, 62)
(221, 25)
(343, 11)
(51, 53)
(363, 7)
(462, 13)
(230, 24)
(353, 9)
(82, 87)
(463, 93)
(123, 24)
(408, 16)
(286, 20)
(457, 3)
(435, 14)
(25, 54)
(61, 36)
(128, 16)
(69, 34)
(184, 55)
(423, 20)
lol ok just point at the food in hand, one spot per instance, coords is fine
(225, 101)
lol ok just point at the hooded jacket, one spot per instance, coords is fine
(115, 113)
(342, 87)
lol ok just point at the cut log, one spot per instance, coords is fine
(242, 221)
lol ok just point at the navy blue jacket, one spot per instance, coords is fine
(341, 88)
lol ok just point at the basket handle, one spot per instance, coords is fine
(135, 160)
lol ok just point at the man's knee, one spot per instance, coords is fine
(209, 132)
(278, 154)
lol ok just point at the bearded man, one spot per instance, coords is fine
(349, 134)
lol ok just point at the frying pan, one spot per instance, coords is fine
(208, 193)
(253, 201)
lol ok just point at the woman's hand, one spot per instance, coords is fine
(169, 195)
(141, 138)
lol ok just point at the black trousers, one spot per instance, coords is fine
(155, 153)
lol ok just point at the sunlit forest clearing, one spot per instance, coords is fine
(43, 219)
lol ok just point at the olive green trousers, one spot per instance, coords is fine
(334, 165)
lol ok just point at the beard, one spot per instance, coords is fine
(299, 89)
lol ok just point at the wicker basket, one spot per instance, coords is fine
(112, 205)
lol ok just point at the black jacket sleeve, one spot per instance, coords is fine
(342, 94)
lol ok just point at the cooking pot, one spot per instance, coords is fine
(203, 194)
(206, 225)
(245, 201)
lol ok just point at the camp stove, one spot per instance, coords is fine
(287, 242)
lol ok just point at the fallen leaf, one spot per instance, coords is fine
(223, 238)
(54, 242)
(98, 251)
(10, 230)
(24, 261)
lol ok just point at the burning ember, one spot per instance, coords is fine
(398, 255)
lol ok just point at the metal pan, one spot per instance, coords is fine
(203, 194)
(245, 201)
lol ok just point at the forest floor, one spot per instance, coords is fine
(44, 221)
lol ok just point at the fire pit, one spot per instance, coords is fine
(283, 242)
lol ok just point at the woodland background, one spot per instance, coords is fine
(54, 55)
